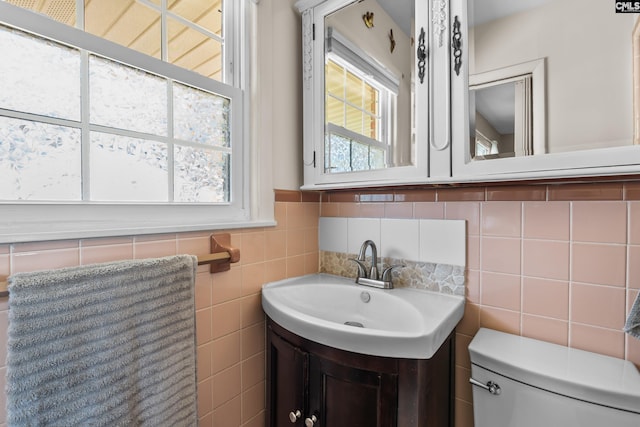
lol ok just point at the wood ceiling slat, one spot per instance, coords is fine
(149, 41)
(132, 25)
(182, 39)
(194, 57)
(100, 16)
(202, 12)
(210, 69)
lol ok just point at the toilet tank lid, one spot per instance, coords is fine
(572, 372)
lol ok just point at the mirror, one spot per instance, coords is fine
(368, 81)
(549, 76)
(509, 105)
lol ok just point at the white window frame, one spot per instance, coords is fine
(387, 98)
(37, 221)
(353, 59)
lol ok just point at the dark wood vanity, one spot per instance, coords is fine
(310, 384)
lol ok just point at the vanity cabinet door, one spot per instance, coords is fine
(287, 368)
(336, 388)
(341, 395)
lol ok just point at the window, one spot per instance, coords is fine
(360, 102)
(353, 122)
(144, 121)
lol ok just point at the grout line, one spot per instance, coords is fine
(11, 252)
(626, 275)
(480, 257)
(570, 308)
(522, 219)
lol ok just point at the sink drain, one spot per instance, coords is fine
(356, 324)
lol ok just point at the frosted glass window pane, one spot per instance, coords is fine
(126, 22)
(376, 158)
(200, 116)
(128, 169)
(39, 161)
(359, 156)
(194, 50)
(200, 175)
(205, 13)
(340, 154)
(39, 76)
(123, 97)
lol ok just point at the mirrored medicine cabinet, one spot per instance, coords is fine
(372, 72)
(407, 92)
(552, 85)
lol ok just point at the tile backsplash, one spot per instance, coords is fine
(431, 253)
(444, 278)
(424, 240)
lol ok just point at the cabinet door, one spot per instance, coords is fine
(340, 395)
(359, 121)
(286, 379)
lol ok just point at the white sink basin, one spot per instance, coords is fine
(406, 323)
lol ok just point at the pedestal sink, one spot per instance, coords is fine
(334, 311)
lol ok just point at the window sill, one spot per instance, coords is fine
(41, 222)
(45, 233)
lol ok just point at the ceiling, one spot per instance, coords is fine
(483, 11)
(401, 11)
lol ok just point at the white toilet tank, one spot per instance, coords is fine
(522, 382)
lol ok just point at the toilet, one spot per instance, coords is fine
(523, 382)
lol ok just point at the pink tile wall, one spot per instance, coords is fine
(229, 317)
(564, 271)
(551, 264)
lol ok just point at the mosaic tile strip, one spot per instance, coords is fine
(444, 278)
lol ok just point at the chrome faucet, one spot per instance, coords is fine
(362, 256)
(372, 277)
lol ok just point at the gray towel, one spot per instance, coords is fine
(103, 345)
(632, 326)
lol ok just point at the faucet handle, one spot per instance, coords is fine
(362, 268)
(386, 273)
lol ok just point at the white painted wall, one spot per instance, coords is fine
(279, 93)
(589, 75)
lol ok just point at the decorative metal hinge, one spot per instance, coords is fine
(456, 44)
(422, 55)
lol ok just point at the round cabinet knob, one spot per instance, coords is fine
(293, 416)
(310, 422)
